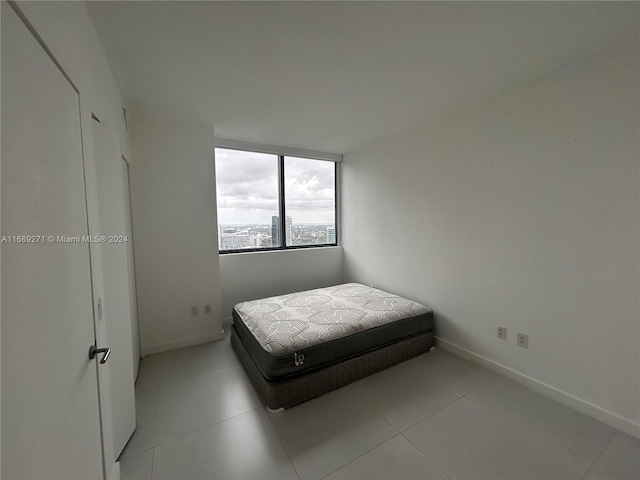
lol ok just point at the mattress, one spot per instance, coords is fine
(291, 334)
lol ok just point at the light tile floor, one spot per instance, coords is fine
(434, 417)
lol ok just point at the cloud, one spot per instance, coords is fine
(247, 188)
(310, 187)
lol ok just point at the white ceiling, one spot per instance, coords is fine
(333, 76)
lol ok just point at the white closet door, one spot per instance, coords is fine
(135, 329)
(50, 411)
(116, 307)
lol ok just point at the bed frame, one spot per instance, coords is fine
(287, 392)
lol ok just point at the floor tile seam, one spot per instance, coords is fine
(159, 366)
(589, 472)
(447, 387)
(153, 459)
(360, 456)
(155, 426)
(500, 419)
(358, 418)
(424, 454)
(123, 455)
(491, 380)
(190, 377)
(457, 358)
(529, 435)
(157, 363)
(364, 399)
(602, 451)
(397, 432)
(281, 442)
(142, 389)
(561, 405)
(434, 376)
(424, 369)
(540, 440)
(451, 402)
(180, 437)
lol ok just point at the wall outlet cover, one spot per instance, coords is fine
(502, 333)
(522, 340)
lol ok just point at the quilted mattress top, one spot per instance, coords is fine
(300, 320)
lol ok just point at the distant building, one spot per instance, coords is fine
(331, 235)
(275, 230)
(288, 223)
(236, 239)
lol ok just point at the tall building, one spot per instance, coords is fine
(288, 223)
(275, 230)
(331, 235)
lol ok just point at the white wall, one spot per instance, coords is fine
(175, 231)
(249, 276)
(67, 30)
(521, 210)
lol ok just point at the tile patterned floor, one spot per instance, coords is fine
(434, 417)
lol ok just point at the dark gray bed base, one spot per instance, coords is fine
(287, 392)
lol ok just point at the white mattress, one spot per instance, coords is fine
(304, 319)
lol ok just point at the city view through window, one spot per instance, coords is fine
(248, 196)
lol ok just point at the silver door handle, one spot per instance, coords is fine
(93, 351)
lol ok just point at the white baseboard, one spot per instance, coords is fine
(623, 424)
(187, 342)
(227, 321)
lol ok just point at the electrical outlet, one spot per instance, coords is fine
(523, 340)
(194, 311)
(502, 333)
(207, 309)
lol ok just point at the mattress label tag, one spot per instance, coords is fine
(298, 358)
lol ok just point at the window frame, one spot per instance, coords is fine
(281, 153)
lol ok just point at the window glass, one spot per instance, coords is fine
(247, 190)
(253, 189)
(310, 201)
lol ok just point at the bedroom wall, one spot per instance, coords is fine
(67, 30)
(249, 276)
(175, 232)
(520, 210)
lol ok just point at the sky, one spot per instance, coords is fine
(247, 188)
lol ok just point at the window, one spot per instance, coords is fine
(269, 201)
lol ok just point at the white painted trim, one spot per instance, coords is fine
(623, 424)
(187, 342)
(276, 150)
(276, 251)
(227, 321)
